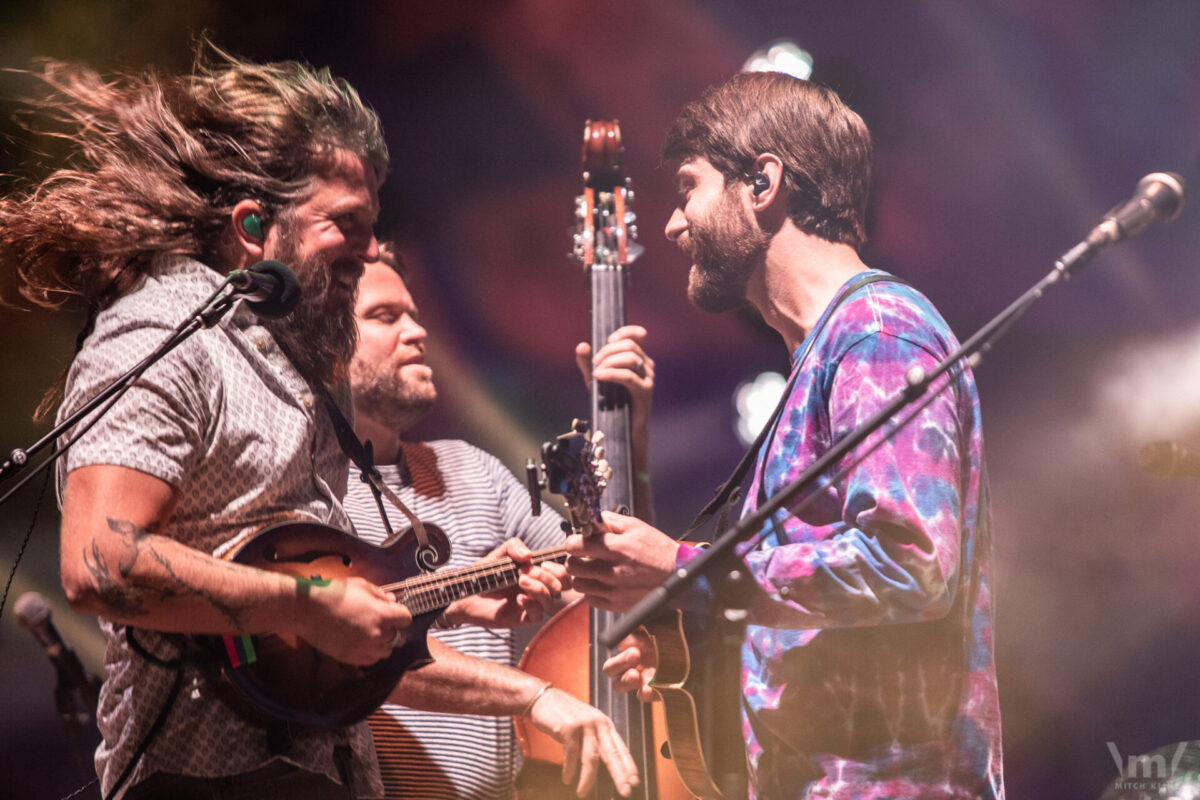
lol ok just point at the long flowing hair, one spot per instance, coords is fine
(157, 162)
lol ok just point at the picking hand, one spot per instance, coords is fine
(354, 621)
(633, 668)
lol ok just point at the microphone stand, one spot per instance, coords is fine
(207, 315)
(721, 563)
(76, 706)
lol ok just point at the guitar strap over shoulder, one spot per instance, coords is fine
(729, 492)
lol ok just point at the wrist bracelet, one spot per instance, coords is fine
(529, 706)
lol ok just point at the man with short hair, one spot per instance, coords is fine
(482, 507)
(175, 181)
(867, 666)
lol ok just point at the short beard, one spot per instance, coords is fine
(320, 335)
(381, 394)
(725, 250)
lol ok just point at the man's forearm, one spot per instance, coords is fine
(457, 683)
(140, 578)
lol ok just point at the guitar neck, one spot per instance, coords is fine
(425, 593)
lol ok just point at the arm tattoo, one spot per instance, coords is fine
(128, 600)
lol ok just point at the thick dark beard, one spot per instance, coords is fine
(381, 394)
(320, 335)
(725, 250)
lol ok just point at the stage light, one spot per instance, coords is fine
(754, 401)
(781, 56)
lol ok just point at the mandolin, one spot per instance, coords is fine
(286, 678)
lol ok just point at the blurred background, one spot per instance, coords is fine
(1004, 128)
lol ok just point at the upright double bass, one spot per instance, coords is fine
(662, 737)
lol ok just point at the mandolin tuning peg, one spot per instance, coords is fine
(598, 452)
(597, 437)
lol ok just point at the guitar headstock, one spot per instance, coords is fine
(605, 230)
(574, 467)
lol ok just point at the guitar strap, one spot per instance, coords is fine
(729, 492)
(363, 457)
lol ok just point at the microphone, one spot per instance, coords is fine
(1158, 198)
(270, 287)
(1169, 460)
(76, 692)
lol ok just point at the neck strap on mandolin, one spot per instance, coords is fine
(363, 458)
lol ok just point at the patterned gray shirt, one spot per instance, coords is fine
(227, 420)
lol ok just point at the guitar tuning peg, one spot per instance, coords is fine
(534, 482)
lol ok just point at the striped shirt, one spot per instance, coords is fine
(479, 504)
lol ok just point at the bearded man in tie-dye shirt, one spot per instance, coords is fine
(867, 666)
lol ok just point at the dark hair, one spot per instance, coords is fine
(825, 147)
(158, 162)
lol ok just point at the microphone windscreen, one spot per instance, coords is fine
(1166, 191)
(286, 295)
(32, 609)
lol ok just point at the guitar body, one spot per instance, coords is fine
(289, 679)
(675, 712)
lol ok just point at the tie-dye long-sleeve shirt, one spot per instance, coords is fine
(867, 669)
